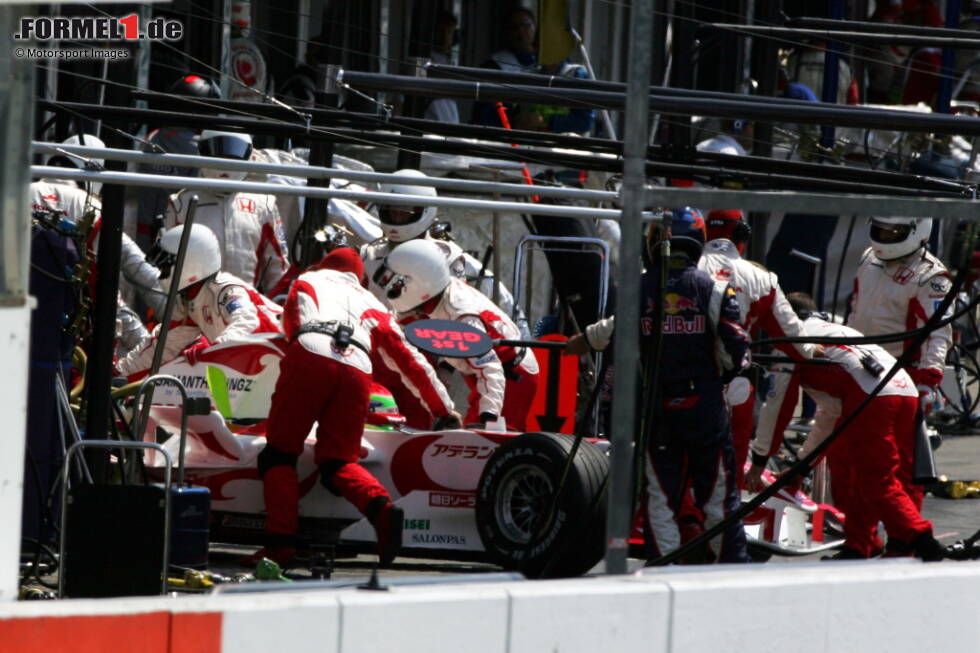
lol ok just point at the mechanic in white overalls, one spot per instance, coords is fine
(502, 382)
(402, 224)
(213, 306)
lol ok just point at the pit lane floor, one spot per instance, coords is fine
(957, 458)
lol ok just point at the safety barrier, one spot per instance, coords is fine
(860, 606)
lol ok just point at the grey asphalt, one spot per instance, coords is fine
(958, 458)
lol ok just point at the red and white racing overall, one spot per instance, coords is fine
(901, 295)
(762, 307)
(866, 460)
(503, 381)
(322, 383)
(248, 228)
(63, 198)
(222, 309)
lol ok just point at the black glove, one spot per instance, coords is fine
(447, 422)
(486, 418)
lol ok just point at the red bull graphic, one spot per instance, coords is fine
(674, 322)
(674, 304)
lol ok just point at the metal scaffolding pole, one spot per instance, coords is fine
(584, 157)
(881, 28)
(317, 172)
(198, 183)
(815, 203)
(620, 498)
(816, 113)
(795, 33)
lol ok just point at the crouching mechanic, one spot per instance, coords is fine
(333, 325)
(217, 305)
(689, 442)
(419, 285)
(762, 306)
(864, 459)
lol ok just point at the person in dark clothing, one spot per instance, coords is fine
(520, 55)
(689, 441)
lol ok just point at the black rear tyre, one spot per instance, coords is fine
(515, 493)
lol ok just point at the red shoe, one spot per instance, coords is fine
(388, 526)
(281, 555)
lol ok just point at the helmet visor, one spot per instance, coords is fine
(226, 147)
(400, 215)
(886, 233)
(162, 260)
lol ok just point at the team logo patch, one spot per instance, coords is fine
(903, 276)
(674, 304)
(246, 204)
(230, 300)
(940, 285)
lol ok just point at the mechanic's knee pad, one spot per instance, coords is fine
(271, 457)
(328, 469)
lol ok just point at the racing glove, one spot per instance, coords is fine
(486, 418)
(929, 377)
(192, 351)
(448, 422)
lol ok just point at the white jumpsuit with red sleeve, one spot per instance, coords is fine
(223, 309)
(503, 381)
(868, 469)
(762, 306)
(248, 227)
(900, 295)
(323, 384)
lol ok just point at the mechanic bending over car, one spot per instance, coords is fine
(335, 326)
(762, 306)
(688, 440)
(212, 307)
(402, 224)
(419, 285)
(865, 458)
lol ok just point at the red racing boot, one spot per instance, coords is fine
(361, 488)
(388, 521)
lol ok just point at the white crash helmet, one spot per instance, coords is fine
(202, 260)
(893, 238)
(225, 145)
(414, 273)
(401, 223)
(85, 140)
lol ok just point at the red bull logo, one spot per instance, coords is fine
(674, 304)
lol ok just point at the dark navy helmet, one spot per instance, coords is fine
(687, 230)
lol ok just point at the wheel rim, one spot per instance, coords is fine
(525, 492)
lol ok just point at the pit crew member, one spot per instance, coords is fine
(247, 225)
(898, 286)
(213, 304)
(762, 306)
(404, 223)
(419, 285)
(864, 460)
(333, 325)
(689, 442)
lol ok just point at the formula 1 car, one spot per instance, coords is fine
(469, 494)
